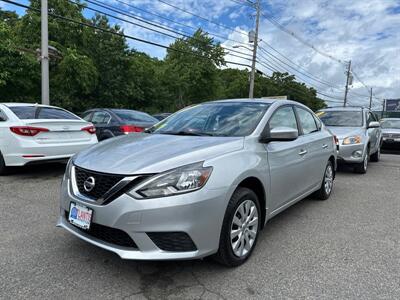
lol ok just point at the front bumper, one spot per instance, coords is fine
(351, 153)
(198, 214)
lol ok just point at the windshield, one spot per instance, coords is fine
(391, 124)
(214, 119)
(134, 116)
(341, 118)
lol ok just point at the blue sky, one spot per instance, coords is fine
(367, 32)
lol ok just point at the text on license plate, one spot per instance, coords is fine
(80, 215)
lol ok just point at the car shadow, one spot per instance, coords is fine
(49, 170)
(157, 279)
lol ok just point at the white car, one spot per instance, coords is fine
(32, 133)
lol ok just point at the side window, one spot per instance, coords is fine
(283, 117)
(307, 121)
(318, 121)
(87, 117)
(100, 117)
(3, 117)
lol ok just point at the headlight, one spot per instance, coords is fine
(178, 181)
(352, 140)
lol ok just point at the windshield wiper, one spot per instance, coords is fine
(189, 133)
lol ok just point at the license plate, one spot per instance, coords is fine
(389, 140)
(80, 216)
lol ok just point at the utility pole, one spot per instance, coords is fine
(370, 99)
(255, 46)
(44, 55)
(347, 83)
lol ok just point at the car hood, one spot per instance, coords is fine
(153, 153)
(391, 130)
(343, 132)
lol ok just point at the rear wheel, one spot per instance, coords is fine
(327, 183)
(240, 228)
(362, 167)
(3, 167)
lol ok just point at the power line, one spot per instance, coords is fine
(300, 72)
(301, 40)
(117, 33)
(141, 19)
(333, 86)
(200, 17)
(220, 36)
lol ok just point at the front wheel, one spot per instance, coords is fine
(362, 167)
(327, 183)
(240, 228)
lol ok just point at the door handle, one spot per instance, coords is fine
(324, 146)
(303, 152)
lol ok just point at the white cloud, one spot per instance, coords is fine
(364, 31)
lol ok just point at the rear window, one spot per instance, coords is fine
(34, 112)
(132, 116)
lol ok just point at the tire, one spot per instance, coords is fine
(3, 167)
(243, 201)
(104, 137)
(377, 155)
(361, 168)
(327, 183)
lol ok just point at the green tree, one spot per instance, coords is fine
(192, 68)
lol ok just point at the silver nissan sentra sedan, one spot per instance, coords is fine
(202, 182)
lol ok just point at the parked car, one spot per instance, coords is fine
(359, 134)
(391, 132)
(115, 122)
(202, 182)
(161, 116)
(31, 133)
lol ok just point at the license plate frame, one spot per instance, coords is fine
(80, 215)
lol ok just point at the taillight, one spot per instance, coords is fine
(130, 128)
(90, 129)
(27, 130)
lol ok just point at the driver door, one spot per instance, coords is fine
(286, 160)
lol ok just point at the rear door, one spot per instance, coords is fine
(101, 120)
(318, 145)
(374, 133)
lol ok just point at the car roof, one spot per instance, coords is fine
(347, 108)
(15, 104)
(252, 100)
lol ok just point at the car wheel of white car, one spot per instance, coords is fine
(240, 228)
(327, 183)
(3, 167)
(362, 167)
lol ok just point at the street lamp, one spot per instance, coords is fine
(241, 46)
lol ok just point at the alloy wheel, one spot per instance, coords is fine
(328, 182)
(244, 228)
(366, 162)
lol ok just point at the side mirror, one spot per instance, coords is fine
(374, 125)
(280, 134)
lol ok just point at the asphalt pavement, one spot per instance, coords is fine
(344, 248)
